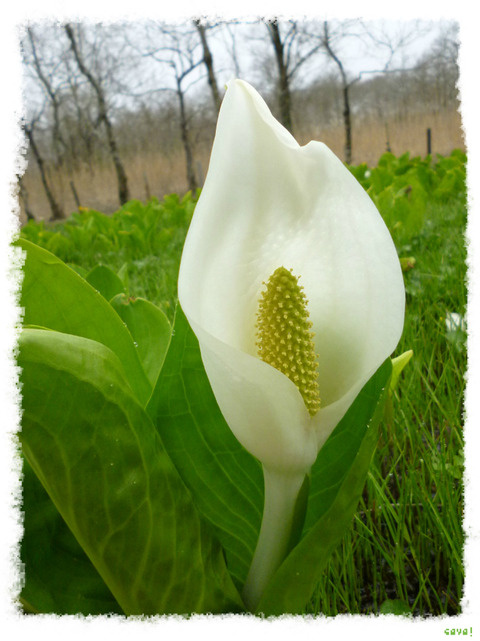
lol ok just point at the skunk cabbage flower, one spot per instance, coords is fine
(292, 285)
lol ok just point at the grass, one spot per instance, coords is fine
(404, 550)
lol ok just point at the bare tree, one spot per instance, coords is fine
(184, 128)
(281, 57)
(44, 136)
(388, 45)
(231, 47)
(290, 55)
(53, 94)
(57, 211)
(179, 51)
(437, 72)
(70, 114)
(103, 114)
(81, 123)
(208, 62)
(346, 85)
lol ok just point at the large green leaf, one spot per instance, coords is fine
(99, 457)
(59, 577)
(56, 297)
(150, 329)
(337, 480)
(225, 480)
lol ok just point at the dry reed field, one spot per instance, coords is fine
(370, 136)
(156, 175)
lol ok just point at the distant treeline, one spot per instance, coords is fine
(96, 94)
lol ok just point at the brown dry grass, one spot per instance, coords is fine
(98, 189)
(410, 134)
(148, 175)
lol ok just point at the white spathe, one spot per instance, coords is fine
(269, 202)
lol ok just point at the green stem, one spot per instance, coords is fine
(281, 492)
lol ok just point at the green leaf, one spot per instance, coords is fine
(105, 281)
(150, 331)
(99, 457)
(337, 480)
(398, 365)
(224, 479)
(123, 274)
(81, 271)
(54, 296)
(59, 577)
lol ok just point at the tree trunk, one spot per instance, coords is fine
(57, 212)
(123, 191)
(348, 124)
(208, 62)
(191, 178)
(347, 119)
(283, 91)
(24, 196)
